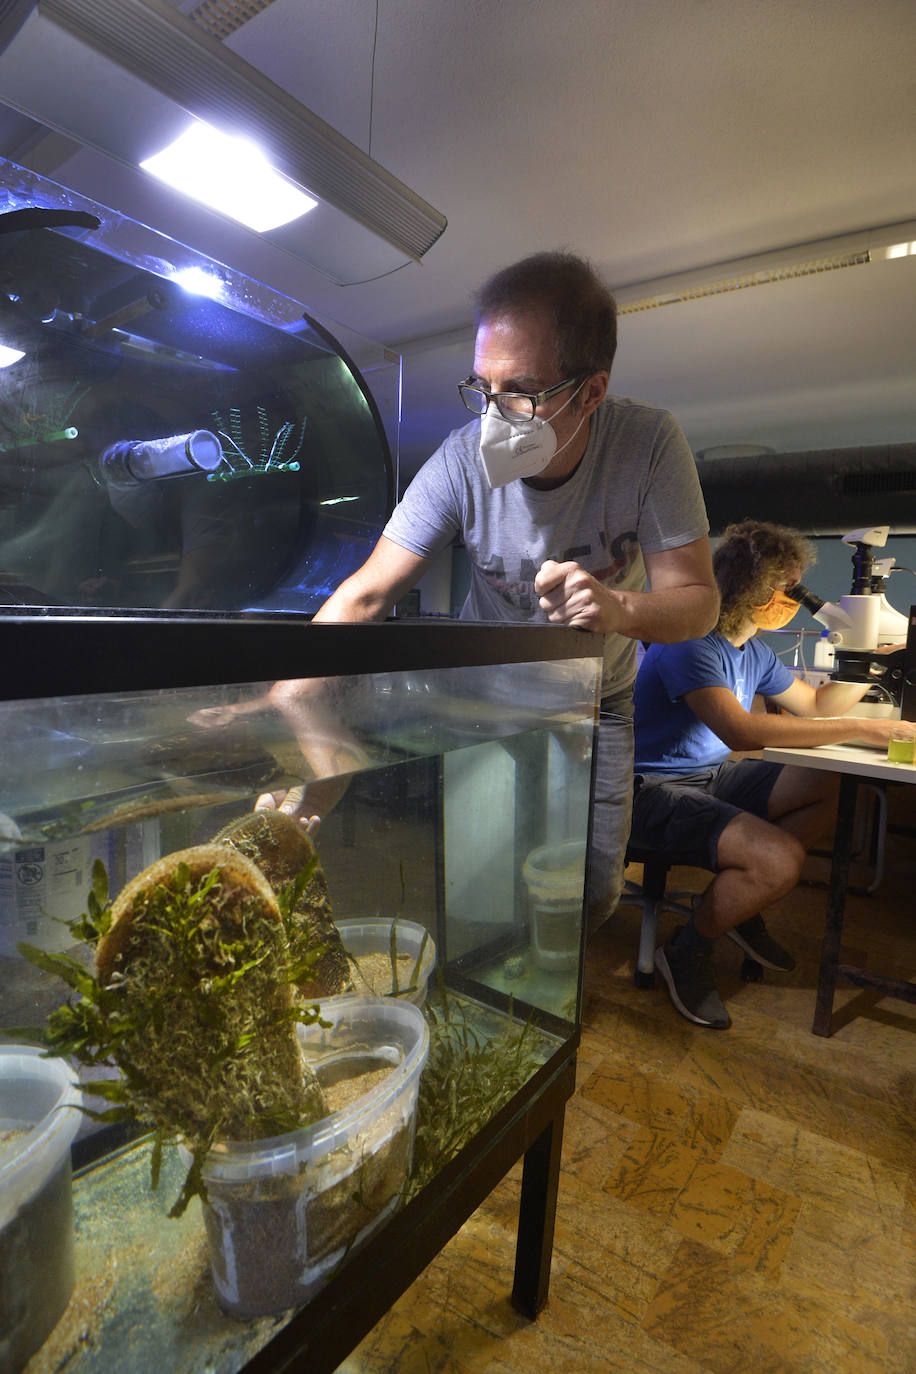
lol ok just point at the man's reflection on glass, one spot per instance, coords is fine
(329, 749)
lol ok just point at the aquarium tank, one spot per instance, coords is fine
(173, 435)
(424, 946)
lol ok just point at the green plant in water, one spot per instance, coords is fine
(414, 979)
(192, 1001)
(469, 1075)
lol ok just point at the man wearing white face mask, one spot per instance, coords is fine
(748, 821)
(568, 502)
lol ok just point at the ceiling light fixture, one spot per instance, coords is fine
(229, 174)
(784, 264)
(177, 58)
(8, 355)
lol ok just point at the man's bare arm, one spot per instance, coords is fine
(372, 591)
(743, 730)
(683, 602)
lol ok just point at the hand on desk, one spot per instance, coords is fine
(879, 732)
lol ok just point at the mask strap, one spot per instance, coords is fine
(562, 408)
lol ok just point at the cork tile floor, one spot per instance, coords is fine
(729, 1201)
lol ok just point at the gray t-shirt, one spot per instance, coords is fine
(635, 491)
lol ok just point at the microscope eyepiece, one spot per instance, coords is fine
(805, 597)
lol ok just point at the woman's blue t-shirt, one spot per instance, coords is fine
(669, 737)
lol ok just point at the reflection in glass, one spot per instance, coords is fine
(116, 356)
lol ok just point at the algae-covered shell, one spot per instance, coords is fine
(281, 849)
(206, 1041)
(199, 860)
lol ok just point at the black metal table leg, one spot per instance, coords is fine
(836, 904)
(536, 1216)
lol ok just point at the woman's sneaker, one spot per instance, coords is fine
(691, 977)
(753, 937)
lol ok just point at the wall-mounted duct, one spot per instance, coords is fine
(822, 491)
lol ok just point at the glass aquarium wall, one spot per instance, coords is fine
(456, 798)
(172, 434)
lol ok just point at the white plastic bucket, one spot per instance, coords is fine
(38, 1120)
(42, 886)
(555, 878)
(372, 936)
(282, 1213)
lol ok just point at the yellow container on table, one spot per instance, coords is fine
(901, 749)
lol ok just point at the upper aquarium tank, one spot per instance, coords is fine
(173, 435)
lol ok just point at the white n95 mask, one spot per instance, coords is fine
(512, 451)
(509, 452)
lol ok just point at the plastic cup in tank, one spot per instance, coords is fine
(555, 878)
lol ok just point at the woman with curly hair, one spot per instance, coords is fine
(748, 821)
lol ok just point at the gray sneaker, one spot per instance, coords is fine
(691, 978)
(753, 937)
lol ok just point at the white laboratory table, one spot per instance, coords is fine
(854, 764)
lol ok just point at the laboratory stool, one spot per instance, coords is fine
(652, 896)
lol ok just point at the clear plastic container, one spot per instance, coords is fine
(555, 878)
(38, 1120)
(282, 1213)
(369, 942)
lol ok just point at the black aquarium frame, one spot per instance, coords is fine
(58, 653)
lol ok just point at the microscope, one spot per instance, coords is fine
(862, 621)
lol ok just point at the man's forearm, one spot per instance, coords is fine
(665, 616)
(762, 731)
(354, 601)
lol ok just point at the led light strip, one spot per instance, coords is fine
(741, 283)
(808, 259)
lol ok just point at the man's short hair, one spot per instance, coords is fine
(575, 299)
(751, 557)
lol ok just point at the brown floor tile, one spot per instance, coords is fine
(744, 1217)
(729, 1202)
(837, 1177)
(729, 1319)
(594, 1139)
(700, 1121)
(858, 1261)
(653, 1173)
(611, 1250)
(791, 1088)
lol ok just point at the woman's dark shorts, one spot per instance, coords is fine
(685, 813)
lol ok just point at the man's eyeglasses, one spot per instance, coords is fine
(514, 406)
